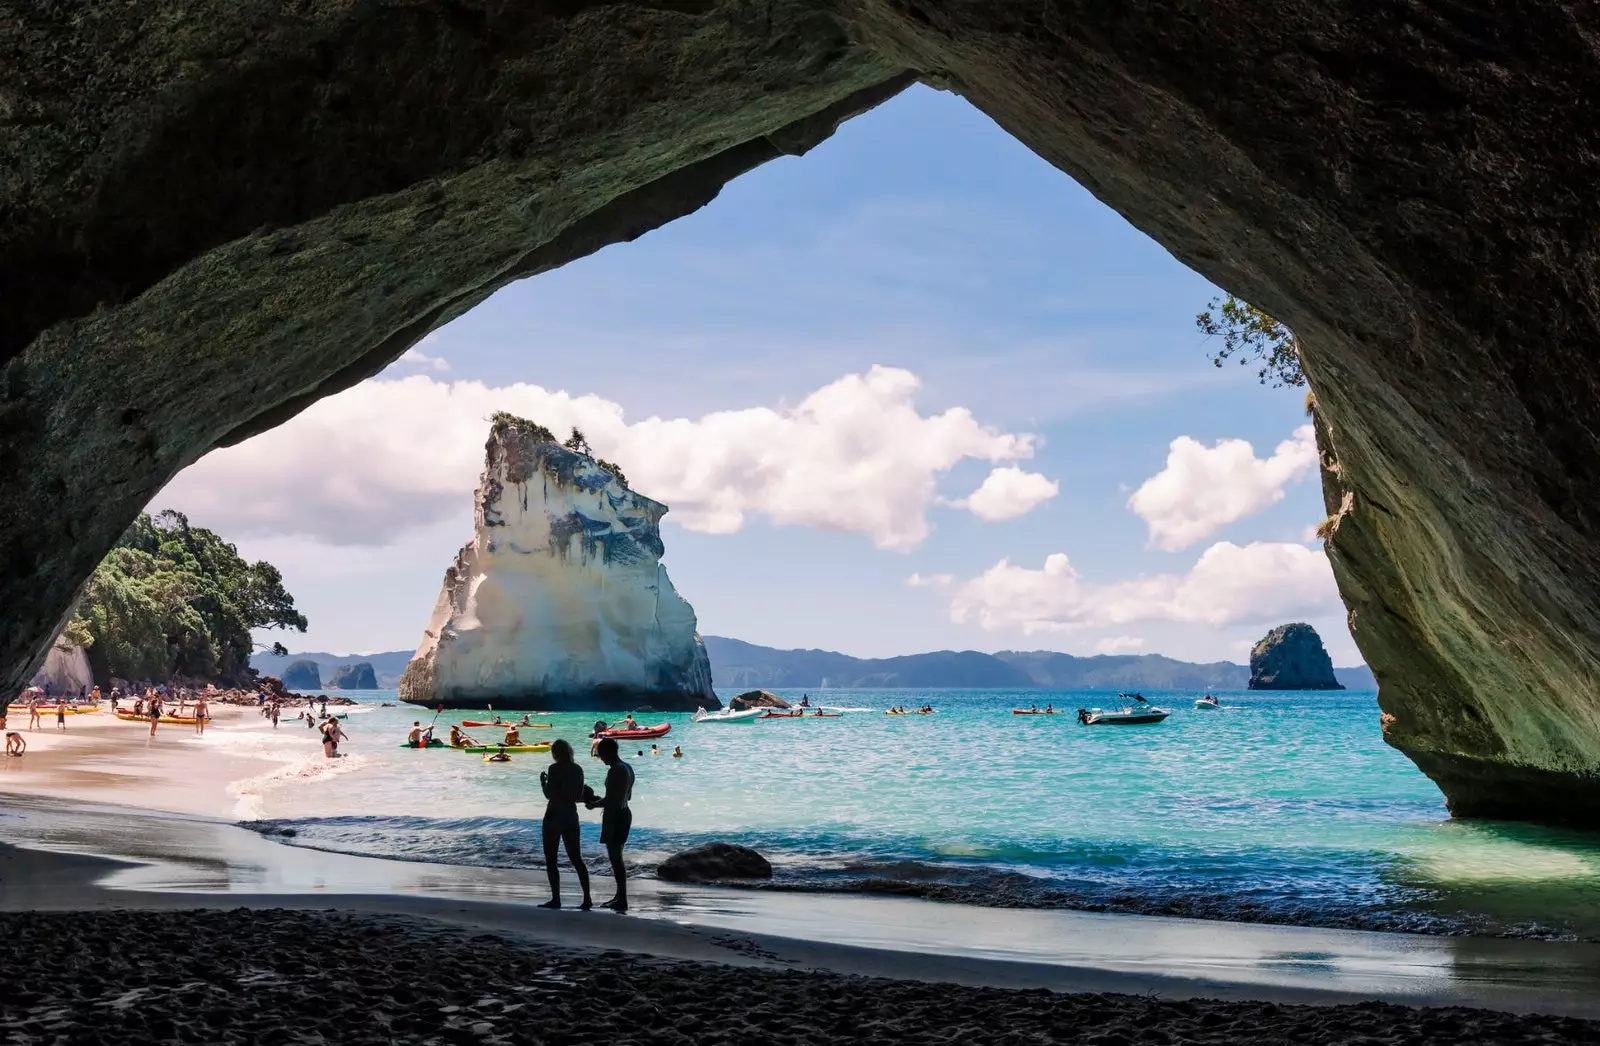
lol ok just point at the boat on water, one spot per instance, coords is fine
(1207, 703)
(643, 733)
(1138, 712)
(1036, 711)
(728, 715)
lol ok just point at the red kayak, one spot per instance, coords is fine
(781, 715)
(641, 734)
(479, 722)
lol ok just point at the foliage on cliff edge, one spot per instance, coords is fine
(173, 599)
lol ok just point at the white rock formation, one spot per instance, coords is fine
(65, 668)
(560, 601)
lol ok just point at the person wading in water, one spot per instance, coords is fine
(616, 820)
(564, 788)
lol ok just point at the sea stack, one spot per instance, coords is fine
(1292, 657)
(358, 676)
(559, 601)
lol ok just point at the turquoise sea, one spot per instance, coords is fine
(1284, 808)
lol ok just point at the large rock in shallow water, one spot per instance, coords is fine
(1292, 657)
(302, 675)
(358, 676)
(560, 600)
(714, 861)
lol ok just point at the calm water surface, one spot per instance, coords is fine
(1276, 808)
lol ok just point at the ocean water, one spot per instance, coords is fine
(1285, 808)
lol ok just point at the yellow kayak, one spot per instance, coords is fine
(492, 749)
(188, 720)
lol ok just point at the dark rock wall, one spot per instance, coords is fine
(302, 675)
(358, 676)
(214, 215)
(1292, 657)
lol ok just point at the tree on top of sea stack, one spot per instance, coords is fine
(560, 600)
(1292, 657)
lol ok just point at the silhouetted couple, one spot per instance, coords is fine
(564, 788)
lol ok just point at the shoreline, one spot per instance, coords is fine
(183, 863)
(233, 771)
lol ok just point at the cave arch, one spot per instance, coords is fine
(211, 221)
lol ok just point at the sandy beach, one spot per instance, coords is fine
(100, 758)
(109, 906)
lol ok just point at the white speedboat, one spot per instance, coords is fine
(728, 715)
(1137, 713)
(1207, 704)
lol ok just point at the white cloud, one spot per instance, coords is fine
(1119, 645)
(418, 358)
(931, 580)
(1007, 493)
(1228, 585)
(1203, 489)
(389, 455)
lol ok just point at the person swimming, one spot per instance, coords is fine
(655, 749)
(498, 757)
(677, 751)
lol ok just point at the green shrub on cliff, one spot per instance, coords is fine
(173, 599)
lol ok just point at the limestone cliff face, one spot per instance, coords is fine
(302, 675)
(65, 668)
(1292, 657)
(560, 600)
(359, 676)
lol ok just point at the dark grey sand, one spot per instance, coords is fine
(277, 977)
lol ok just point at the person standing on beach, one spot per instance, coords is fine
(564, 790)
(616, 819)
(33, 712)
(202, 712)
(61, 713)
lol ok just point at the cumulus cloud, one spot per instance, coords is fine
(931, 580)
(1203, 489)
(421, 360)
(1229, 584)
(392, 454)
(1007, 493)
(1119, 645)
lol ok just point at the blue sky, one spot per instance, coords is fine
(921, 237)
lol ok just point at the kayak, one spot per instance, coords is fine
(911, 713)
(49, 710)
(435, 743)
(641, 734)
(479, 722)
(1035, 711)
(188, 720)
(543, 746)
(782, 715)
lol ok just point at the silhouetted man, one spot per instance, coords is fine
(616, 819)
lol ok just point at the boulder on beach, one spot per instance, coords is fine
(359, 676)
(302, 675)
(1291, 657)
(714, 861)
(757, 699)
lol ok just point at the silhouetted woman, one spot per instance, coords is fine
(564, 788)
(616, 819)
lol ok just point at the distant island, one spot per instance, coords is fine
(358, 676)
(735, 663)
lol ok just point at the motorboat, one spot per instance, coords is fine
(1137, 712)
(728, 715)
(1207, 703)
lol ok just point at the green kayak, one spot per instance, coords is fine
(545, 747)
